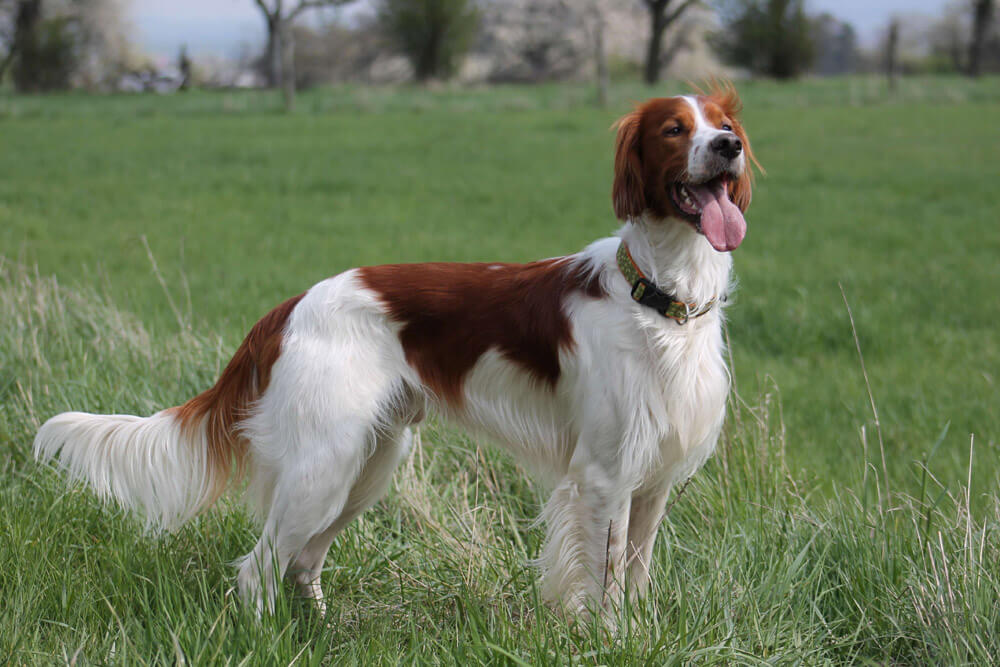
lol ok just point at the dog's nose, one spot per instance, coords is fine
(727, 145)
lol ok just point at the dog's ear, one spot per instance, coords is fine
(627, 193)
(742, 188)
(724, 94)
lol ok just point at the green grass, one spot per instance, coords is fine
(785, 548)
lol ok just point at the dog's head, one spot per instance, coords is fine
(686, 158)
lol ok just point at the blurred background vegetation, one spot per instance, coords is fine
(121, 45)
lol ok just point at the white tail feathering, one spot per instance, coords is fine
(152, 466)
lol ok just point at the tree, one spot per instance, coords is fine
(768, 37)
(947, 37)
(279, 53)
(184, 66)
(52, 44)
(433, 34)
(42, 51)
(892, 53)
(20, 29)
(836, 45)
(982, 15)
(106, 50)
(334, 52)
(536, 40)
(662, 14)
(596, 21)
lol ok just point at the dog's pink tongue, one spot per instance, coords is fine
(721, 220)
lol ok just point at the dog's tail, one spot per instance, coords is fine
(177, 462)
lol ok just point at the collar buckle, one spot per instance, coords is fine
(645, 293)
(641, 288)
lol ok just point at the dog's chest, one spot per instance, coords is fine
(688, 388)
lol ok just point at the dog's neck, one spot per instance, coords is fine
(678, 259)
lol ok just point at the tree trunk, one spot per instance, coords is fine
(25, 44)
(601, 60)
(429, 63)
(657, 26)
(891, 48)
(982, 13)
(287, 65)
(272, 53)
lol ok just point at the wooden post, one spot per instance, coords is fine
(600, 57)
(891, 54)
(287, 66)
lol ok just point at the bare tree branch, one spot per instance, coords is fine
(264, 8)
(279, 55)
(659, 22)
(683, 7)
(315, 4)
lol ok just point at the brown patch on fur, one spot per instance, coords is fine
(648, 159)
(222, 407)
(453, 313)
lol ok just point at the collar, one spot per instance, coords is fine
(644, 292)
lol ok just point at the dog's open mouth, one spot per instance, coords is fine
(708, 208)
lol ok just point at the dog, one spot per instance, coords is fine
(602, 371)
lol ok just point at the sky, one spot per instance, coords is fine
(223, 27)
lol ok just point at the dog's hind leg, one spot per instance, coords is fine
(392, 445)
(311, 489)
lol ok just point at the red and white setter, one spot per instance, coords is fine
(603, 371)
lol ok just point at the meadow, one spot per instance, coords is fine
(141, 236)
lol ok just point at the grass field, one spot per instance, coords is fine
(786, 548)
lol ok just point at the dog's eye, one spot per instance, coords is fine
(727, 128)
(673, 132)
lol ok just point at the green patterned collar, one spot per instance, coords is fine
(646, 293)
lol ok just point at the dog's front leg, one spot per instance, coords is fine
(583, 560)
(644, 522)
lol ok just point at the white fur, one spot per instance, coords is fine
(147, 465)
(638, 406)
(703, 163)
